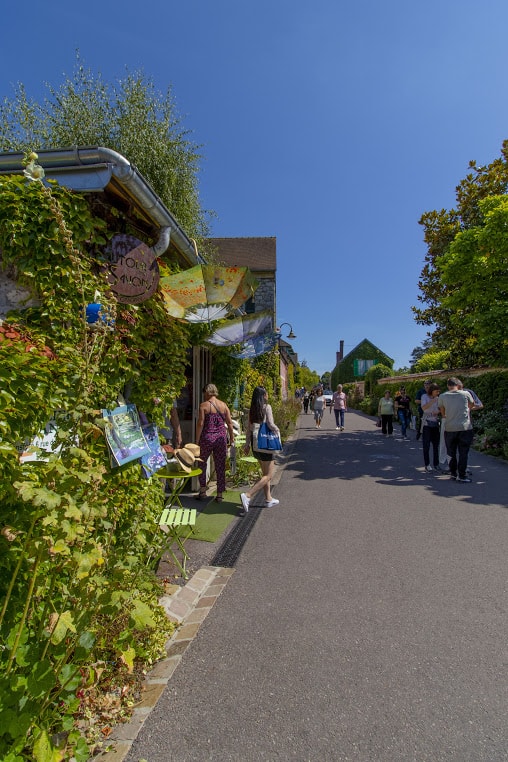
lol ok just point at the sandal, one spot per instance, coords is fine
(201, 496)
(219, 499)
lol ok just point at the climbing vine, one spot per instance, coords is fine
(77, 538)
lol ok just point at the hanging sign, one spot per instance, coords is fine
(133, 272)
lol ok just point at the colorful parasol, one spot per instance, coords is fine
(241, 329)
(259, 345)
(207, 292)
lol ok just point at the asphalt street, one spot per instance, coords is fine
(365, 620)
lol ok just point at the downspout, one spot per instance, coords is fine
(162, 244)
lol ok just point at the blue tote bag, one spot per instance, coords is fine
(266, 440)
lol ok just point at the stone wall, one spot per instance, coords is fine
(13, 296)
(264, 298)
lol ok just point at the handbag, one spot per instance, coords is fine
(378, 422)
(265, 440)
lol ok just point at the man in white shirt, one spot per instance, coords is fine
(455, 406)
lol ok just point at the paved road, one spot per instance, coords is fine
(366, 619)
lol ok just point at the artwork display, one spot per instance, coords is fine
(124, 434)
(156, 458)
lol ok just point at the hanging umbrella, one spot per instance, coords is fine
(241, 329)
(206, 292)
(259, 345)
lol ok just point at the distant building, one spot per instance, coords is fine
(353, 366)
(259, 254)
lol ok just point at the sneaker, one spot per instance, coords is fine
(245, 503)
(271, 503)
(464, 479)
(342, 428)
(336, 428)
(429, 469)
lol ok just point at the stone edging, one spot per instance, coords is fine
(189, 607)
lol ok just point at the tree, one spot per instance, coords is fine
(420, 350)
(374, 373)
(432, 361)
(441, 228)
(129, 116)
(306, 377)
(474, 272)
(326, 379)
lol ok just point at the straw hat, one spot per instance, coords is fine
(185, 459)
(187, 456)
(194, 448)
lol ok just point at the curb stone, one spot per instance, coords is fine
(188, 607)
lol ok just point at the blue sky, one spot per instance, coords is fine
(330, 125)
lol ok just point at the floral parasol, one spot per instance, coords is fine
(241, 329)
(207, 292)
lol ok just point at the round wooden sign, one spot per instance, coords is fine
(133, 272)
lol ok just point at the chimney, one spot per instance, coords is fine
(340, 353)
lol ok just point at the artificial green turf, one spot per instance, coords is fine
(214, 517)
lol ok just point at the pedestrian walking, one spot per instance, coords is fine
(419, 411)
(339, 407)
(478, 404)
(403, 411)
(386, 411)
(430, 427)
(214, 421)
(455, 406)
(443, 455)
(319, 407)
(260, 411)
(306, 400)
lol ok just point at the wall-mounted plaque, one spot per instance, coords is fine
(133, 272)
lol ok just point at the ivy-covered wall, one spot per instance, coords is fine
(344, 372)
(78, 539)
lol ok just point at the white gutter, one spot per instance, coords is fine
(68, 159)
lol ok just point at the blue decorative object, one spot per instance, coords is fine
(92, 312)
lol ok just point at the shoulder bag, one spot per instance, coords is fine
(264, 440)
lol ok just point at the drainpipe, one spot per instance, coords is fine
(162, 244)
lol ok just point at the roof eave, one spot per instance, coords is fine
(91, 169)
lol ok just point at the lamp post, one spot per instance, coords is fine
(290, 335)
(284, 357)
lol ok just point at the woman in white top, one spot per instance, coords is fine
(430, 426)
(260, 411)
(319, 407)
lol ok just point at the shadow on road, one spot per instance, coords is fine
(361, 451)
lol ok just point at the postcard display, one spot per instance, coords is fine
(128, 440)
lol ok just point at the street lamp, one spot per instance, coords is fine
(290, 335)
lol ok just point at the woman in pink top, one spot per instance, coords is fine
(339, 407)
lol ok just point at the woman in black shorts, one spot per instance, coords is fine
(260, 411)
